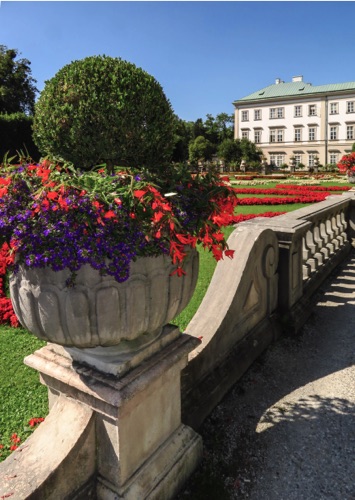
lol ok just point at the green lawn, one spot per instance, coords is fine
(23, 397)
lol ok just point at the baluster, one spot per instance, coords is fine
(340, 235)
(343, 226)
(329, 231)
(325, 239)
(312, 248)
(318, 242)
(306, 268)
(335, 233)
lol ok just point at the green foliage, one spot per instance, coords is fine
(182, 137)
(214, 129)
(330, 167)
(16, 134)
(200, 149)
(230, 151)
(17, 87)
(235, 150)
(105, 110)
(250, 151)
(218, 129)
(353, 148)
(22, 396)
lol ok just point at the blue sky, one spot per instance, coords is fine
(204, 54)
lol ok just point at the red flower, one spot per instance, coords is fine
(139, 193)
(110, 214)
(35, 421)
(179, 271)
(229, 253)
(52, 195)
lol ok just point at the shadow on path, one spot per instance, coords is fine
(287, 429)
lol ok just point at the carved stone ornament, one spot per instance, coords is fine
(99, 311)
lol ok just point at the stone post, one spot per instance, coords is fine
(136, 446)
(264, 167)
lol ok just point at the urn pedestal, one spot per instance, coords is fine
(113, 357)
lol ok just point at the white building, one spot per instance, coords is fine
(298, 120)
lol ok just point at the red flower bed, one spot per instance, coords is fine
(311, 198)
(241, 218)
(7, 315)
(312, 188)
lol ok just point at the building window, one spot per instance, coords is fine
(276, 135)
(257, 114)
(350, 107)
(312, 134)
(311, 158)
(277, 159)
(245, 116)
(298, 111)
(312, 110)
(245, 134)
(298, 159)
(276, 112)
(333, 108)
(298, 134)
(350, 132)
(257, 136)
(333, 158)
(333, 136)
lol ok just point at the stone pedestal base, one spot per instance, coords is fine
(142, 449)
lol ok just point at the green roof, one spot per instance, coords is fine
(293, 89)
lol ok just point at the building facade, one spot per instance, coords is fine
(299, 122)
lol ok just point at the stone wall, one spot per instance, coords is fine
(266, 290)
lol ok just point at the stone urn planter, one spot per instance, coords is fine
(99, 311)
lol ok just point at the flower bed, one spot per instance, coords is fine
(7, 315)
(315, 198)
(313, 188)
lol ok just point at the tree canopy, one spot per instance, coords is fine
(17, 86)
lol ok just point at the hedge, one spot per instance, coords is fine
(16, 135)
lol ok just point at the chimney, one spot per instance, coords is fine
(297, 78)
(277, 81)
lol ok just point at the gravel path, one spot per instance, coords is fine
(287, 428)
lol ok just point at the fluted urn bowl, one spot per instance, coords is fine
(99, 311)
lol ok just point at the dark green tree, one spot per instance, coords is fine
(230, 150)
(225, 126)
(17, 87)
(250, 151)
(233, 151)
(200, 149)
(182, 138)
(199, 129)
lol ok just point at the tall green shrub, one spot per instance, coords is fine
(16, 135)
(105, 110)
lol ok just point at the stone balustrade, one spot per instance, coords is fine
(132, 436)
(250, 301)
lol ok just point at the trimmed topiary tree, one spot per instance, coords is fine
(105, 110)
